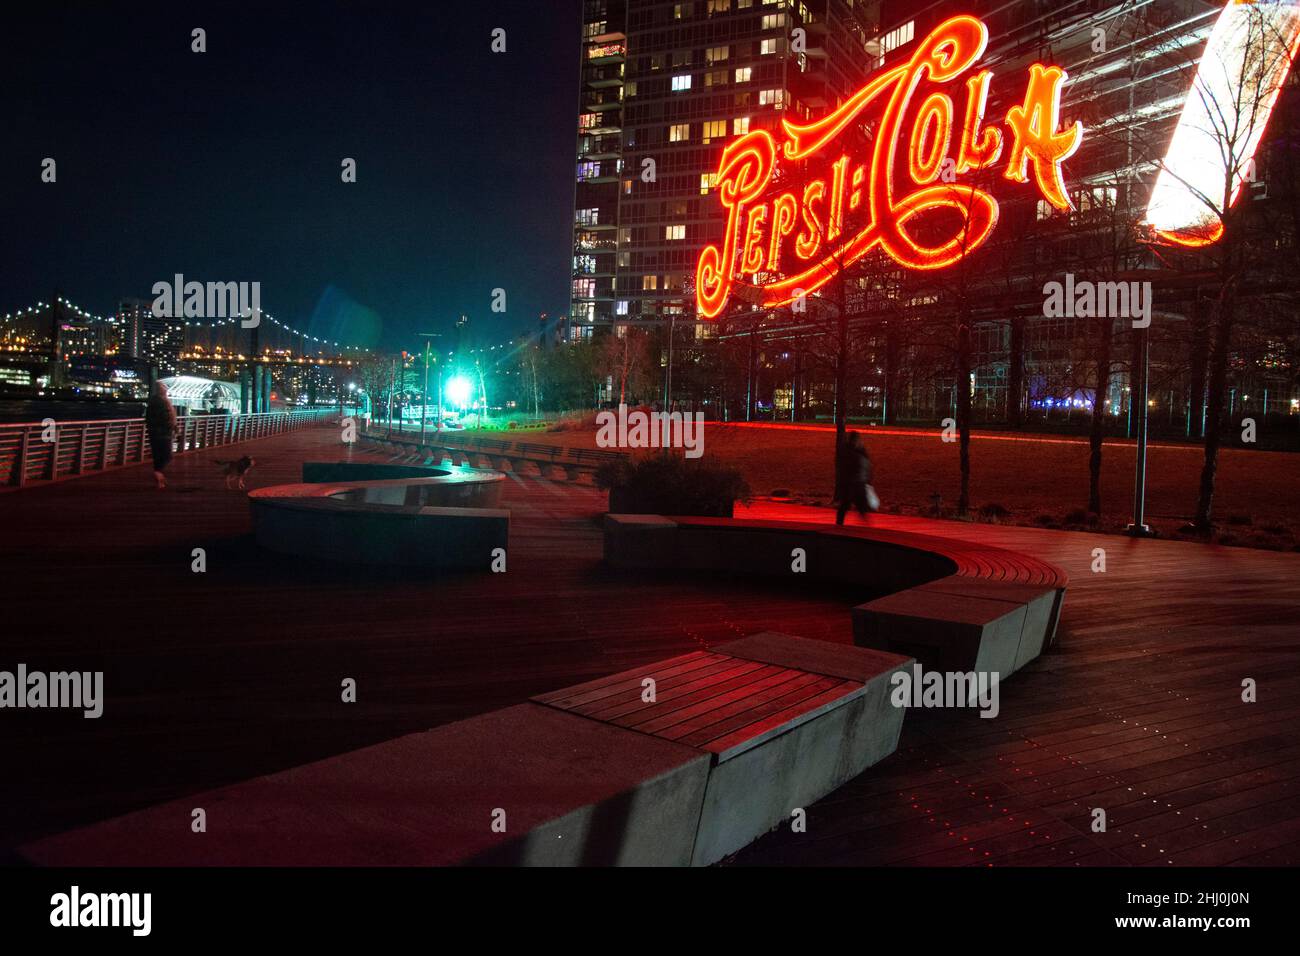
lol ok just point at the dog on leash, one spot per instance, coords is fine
(235, 471)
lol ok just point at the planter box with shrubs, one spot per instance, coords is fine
(668, 484)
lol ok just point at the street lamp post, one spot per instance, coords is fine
(1138, 403)
(424, 404)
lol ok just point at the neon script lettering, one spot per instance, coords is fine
(804, 234)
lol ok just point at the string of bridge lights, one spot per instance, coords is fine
(82, 313)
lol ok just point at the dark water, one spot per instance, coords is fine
(35, 410)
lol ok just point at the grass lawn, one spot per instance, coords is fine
(1038, 479)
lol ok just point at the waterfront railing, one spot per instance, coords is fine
(50, 450)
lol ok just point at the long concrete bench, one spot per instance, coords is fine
(477, 451)
(386, 514)
(954, 606)
(731, 742)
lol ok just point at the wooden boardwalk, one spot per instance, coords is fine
(217, 677)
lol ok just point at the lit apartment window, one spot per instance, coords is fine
(587, 171)
(739, 126)
(743, 74)
(718, 6)
(773, 21)
(716, 54)
(898, 36)
(771, 98)
(674, 232)
(627, 187)
(586, 217)
(649, 283)
(716, 78)
(767, 47)
(587, 120)
(707, 182)
(681, 11)
(629, 88)
(714, 129)
(620, 307)
(584, 288)
(681, 82)
(679, 132)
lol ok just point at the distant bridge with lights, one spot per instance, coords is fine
(61, 329)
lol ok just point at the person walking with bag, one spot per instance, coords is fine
(853, 479)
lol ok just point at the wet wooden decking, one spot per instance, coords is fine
(216, 677)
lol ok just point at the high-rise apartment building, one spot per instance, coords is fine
(149, 338)
(665, 85)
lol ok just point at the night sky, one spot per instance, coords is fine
(225, 165)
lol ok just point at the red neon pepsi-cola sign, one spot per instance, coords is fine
(804, 235)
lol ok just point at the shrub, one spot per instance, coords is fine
(993, 511)
(672, 485)
(574, 421)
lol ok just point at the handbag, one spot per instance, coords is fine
(873, 499)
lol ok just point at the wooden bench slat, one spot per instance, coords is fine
(713, 726)
(673, 665)
(752, 735)
(739, 674)
(738, 714)
(672, 685)
(630, 689)
(781, 681)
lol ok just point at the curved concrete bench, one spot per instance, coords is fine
(477, 451)
(733, 740)
(389, 514)
(955, 606)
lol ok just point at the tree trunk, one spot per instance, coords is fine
(1214, 407)
(1016, 374)
(1105, 338)
(841, 374)
(892, 348)
(1200, 354)
(963, 405)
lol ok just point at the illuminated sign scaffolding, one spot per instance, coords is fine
(804, 235)
(1238, 79)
